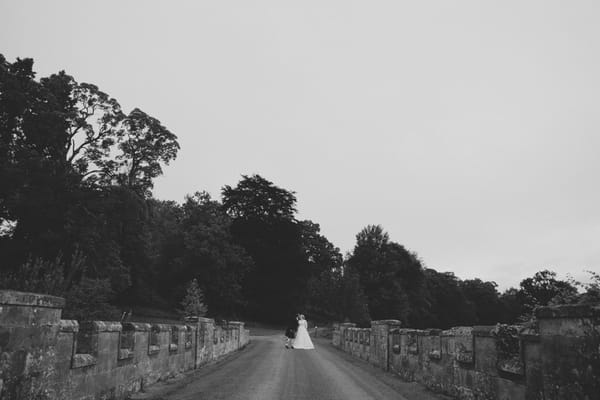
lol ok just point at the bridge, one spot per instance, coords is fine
(44, 357)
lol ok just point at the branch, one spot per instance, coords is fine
(82, 145)
(92, 172)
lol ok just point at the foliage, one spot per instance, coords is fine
(591, 292)
(448, 304)
(144, 143)
(544, 289)
(354, 302)
(194, 240)
(484, 300)
(89, 300)
(256, 197)
(263, 223)
(193, 302)
(65, 148)
(210, 252)
(392, 278)
(36, 275)
(86, 299)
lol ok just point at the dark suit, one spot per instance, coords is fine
(291, 329)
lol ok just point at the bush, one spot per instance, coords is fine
(193, 302)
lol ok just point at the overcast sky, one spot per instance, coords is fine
(470, 130)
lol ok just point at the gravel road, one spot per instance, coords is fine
(266, 370)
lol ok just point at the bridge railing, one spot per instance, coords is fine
(47, 358)
(556, 356)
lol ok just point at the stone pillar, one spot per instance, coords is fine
(238, 328)
(204, 340)
(335, 337)
(344, 344)
(570, 351)
(29, 327)
(380, 338)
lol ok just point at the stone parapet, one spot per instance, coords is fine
(46, 357)
(554, 357)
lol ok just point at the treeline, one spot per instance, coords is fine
(393, 283)
(77, 219)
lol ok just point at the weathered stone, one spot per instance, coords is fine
(137, 326)
(125, 354)
(83, 360)
(69, 325)
(34, 300)
(44, 357)
(554, 357)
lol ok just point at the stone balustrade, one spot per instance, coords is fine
(556, 357)
(46, 358)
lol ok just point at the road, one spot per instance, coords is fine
(266, 370)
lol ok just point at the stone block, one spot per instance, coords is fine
(29, 309)
(83, 360)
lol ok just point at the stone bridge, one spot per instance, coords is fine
(43, 357)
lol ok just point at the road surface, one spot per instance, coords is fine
(266, 370)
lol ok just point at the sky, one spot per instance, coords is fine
(470, 130)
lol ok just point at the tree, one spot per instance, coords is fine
(193, 302)
(320, 253)
(448, 304)
(144, 143)
(543, 289)
(354, 302)
(210, 253)
(512, 305)
(265, 226)
(256, 197)
(392, 277)
(484, 300)
(324, 267)
(592, 289)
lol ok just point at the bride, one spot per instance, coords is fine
(302, 340)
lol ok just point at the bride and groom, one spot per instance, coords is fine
(297, 336)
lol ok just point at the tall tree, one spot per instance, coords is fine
(354, 302)
(391, 276)
(63, 144)
(264, 224)
(324, 267)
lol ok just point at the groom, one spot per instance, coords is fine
(290, 332)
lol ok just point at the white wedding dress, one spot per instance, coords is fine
(302, 340)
